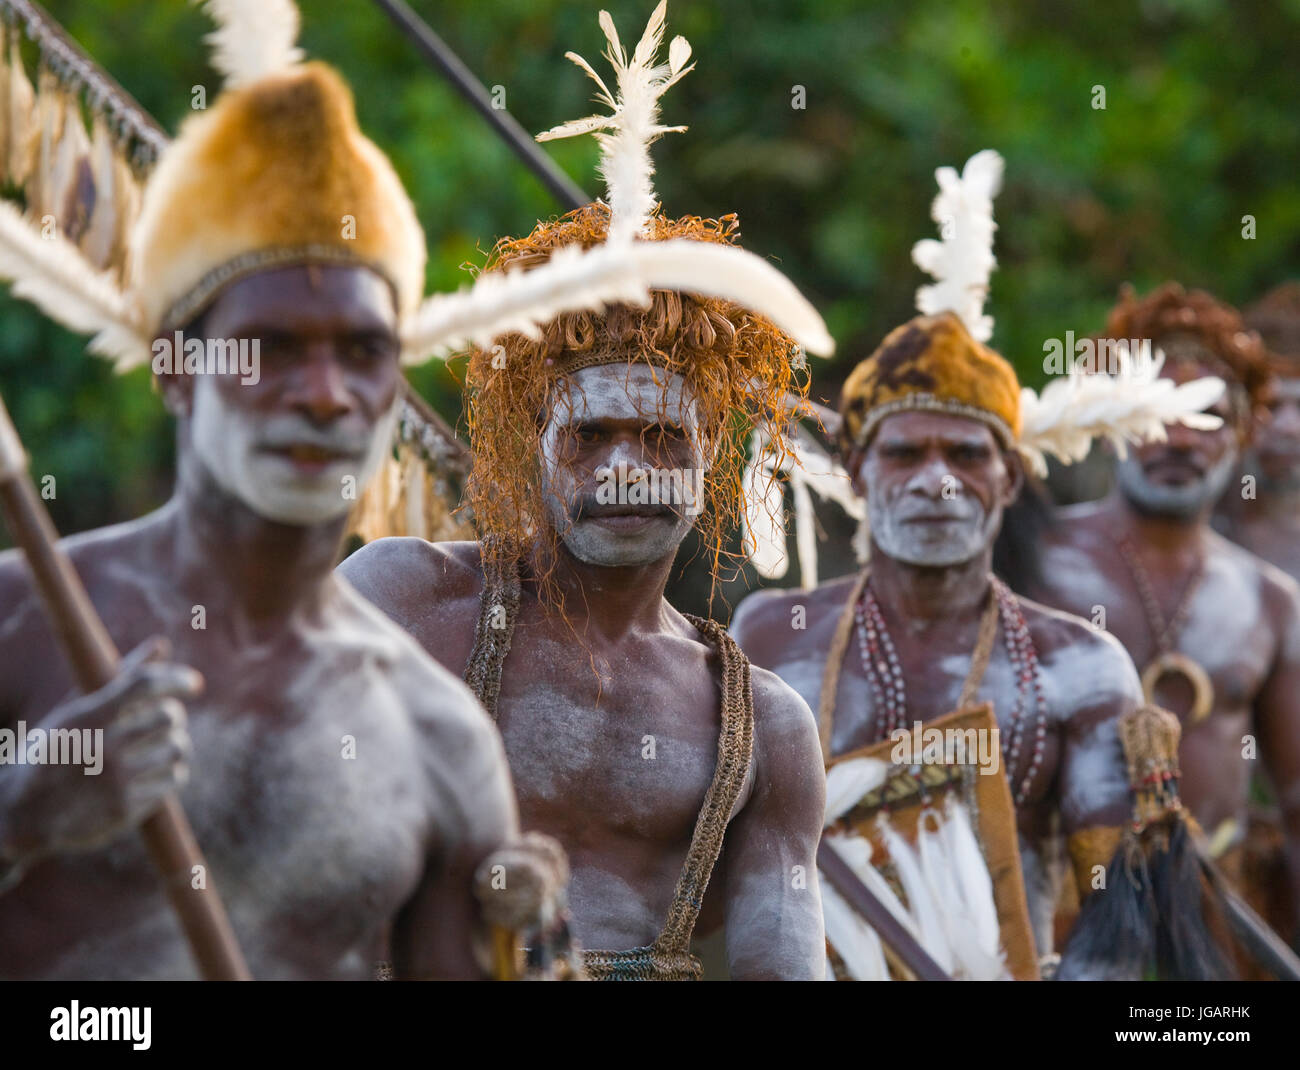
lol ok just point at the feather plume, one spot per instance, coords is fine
(855, 941)
(962, 260)
(501, 303)
(763, 528)
(253, 38)
(972, 961)
(626, 134)
(52, 274)
(1134, 405)
(920, 899)
(848, 781)
(972, 876)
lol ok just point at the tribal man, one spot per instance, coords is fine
(343, 786)
(931, 434)
(637, 736)
(1215, 630)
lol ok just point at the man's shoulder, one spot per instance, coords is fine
(1278, 589)
(1082, 648)
(773, 606)
(401, 573)
(103, 557)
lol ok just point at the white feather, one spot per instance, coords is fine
(848, 781)
(52, 274)
(625, 135)
(502, 302)
(711, 269)
(920, 899)
(973, 880)
(763, 531)
(962, 260)
(1133, 405)
(971, 962)
(852, 938)
(253, 38)
(762, 527)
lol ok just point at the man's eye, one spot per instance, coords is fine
(366, 350)
(970, 454)
(901, 453)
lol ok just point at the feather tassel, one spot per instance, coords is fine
(625, 135)
(52, 274)
(962, 260)
(573, 279)
(21, 124)
(253, 38)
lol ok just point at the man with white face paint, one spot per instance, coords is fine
(638, 737)
(932, 430)
(928, 437)
(1214, 629)
(343, 787)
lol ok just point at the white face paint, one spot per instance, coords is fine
(586, 446)
(1185, 499)
(929, 519)
(918, 531)
(272, 463)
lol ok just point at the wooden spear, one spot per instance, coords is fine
(94, 662)
(877, 915)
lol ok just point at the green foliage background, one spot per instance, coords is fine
(1199, 129)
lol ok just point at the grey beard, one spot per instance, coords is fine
(1185, 501)
(926, 548)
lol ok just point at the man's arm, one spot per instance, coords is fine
(473, 813)
(774, 907)
(1277, 723)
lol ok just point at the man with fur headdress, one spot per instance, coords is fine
(934, 431)
(1214, 629)
(343, 786)
(639, 737)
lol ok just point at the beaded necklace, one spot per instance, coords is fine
(889, 688)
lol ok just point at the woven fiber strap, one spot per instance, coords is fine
(669, 957)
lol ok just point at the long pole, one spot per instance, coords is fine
(436, 51)
(877, 915)
(94, 661)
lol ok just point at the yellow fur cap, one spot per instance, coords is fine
(268, 176)
(931, 363)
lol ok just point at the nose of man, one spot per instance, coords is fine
(932, 479)
(319, 389)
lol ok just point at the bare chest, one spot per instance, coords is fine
(1216, 619)
(624, 756)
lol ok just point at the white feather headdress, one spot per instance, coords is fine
(962, 260)
(625, 136)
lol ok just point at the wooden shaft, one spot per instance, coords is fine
(877, 915)
(94, 662)
(436, 51)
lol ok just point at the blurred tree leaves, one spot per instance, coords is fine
(1199, 130)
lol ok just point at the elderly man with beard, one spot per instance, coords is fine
(1214, 630)
(930, 424)
(343, 787)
